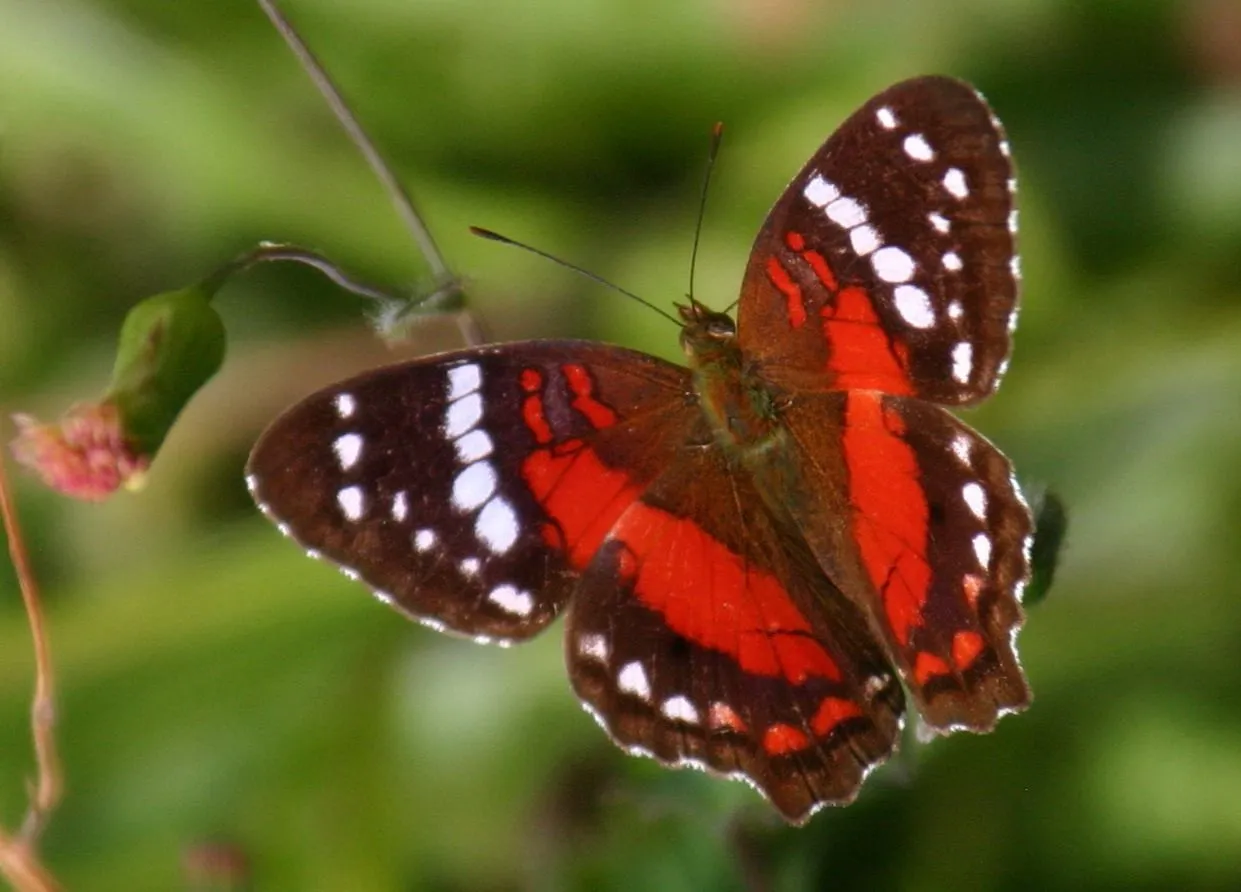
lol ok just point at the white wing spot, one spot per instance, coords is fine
(473, 446)
(462, 415)
(876, 684)
(952, 261)
(886, 118)
(982, 549)
(463, 380)
(892, 264)
(1015, 265)
(424, 540)
(632, 680)
(474, 485)
(352, 502)
(962, 361)
(400, 507)
(1012, 221)
(864, 239)
(961, 448)
(1005, 150)
(348, 449)
(470, 566)
(976, 498)
(345, 404)
(939, 221)
(955, 310)
(954, 182)
(593, 647)
(511, 600)
(914, 306)
(496, 525)
(679, 709)
(846, 213)
(917, 148)
(820, 192)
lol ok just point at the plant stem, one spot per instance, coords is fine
(20, 866)
(17, 857)
(400, 196)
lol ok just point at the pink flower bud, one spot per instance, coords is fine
(86, 455)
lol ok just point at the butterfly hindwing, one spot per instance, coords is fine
(702, 634)
(941, 545)
(470, 488)
(889, 262)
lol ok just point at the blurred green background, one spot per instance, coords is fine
(222, 694)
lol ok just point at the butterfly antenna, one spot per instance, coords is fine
(717, 136)
(505, 240)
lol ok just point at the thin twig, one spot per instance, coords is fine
(446, 285)
(400, 195)
(21, 867)
(17, 857)
(268, 251)
(43, 706)
(390, 309)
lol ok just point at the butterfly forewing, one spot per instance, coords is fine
(702, 634)
(466, 488)
(889, 262)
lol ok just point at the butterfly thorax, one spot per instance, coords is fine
(738, 404)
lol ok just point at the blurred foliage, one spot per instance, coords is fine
(226, 700)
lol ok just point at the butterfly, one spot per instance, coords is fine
(761, 555)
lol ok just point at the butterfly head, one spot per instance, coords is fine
(705, 333)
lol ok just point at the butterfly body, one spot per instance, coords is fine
(739, 405)
(758, 554)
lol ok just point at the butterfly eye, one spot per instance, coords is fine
(721, 328)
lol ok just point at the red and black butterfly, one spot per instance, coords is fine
(759, 554)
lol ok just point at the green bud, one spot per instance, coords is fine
(170, 346)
